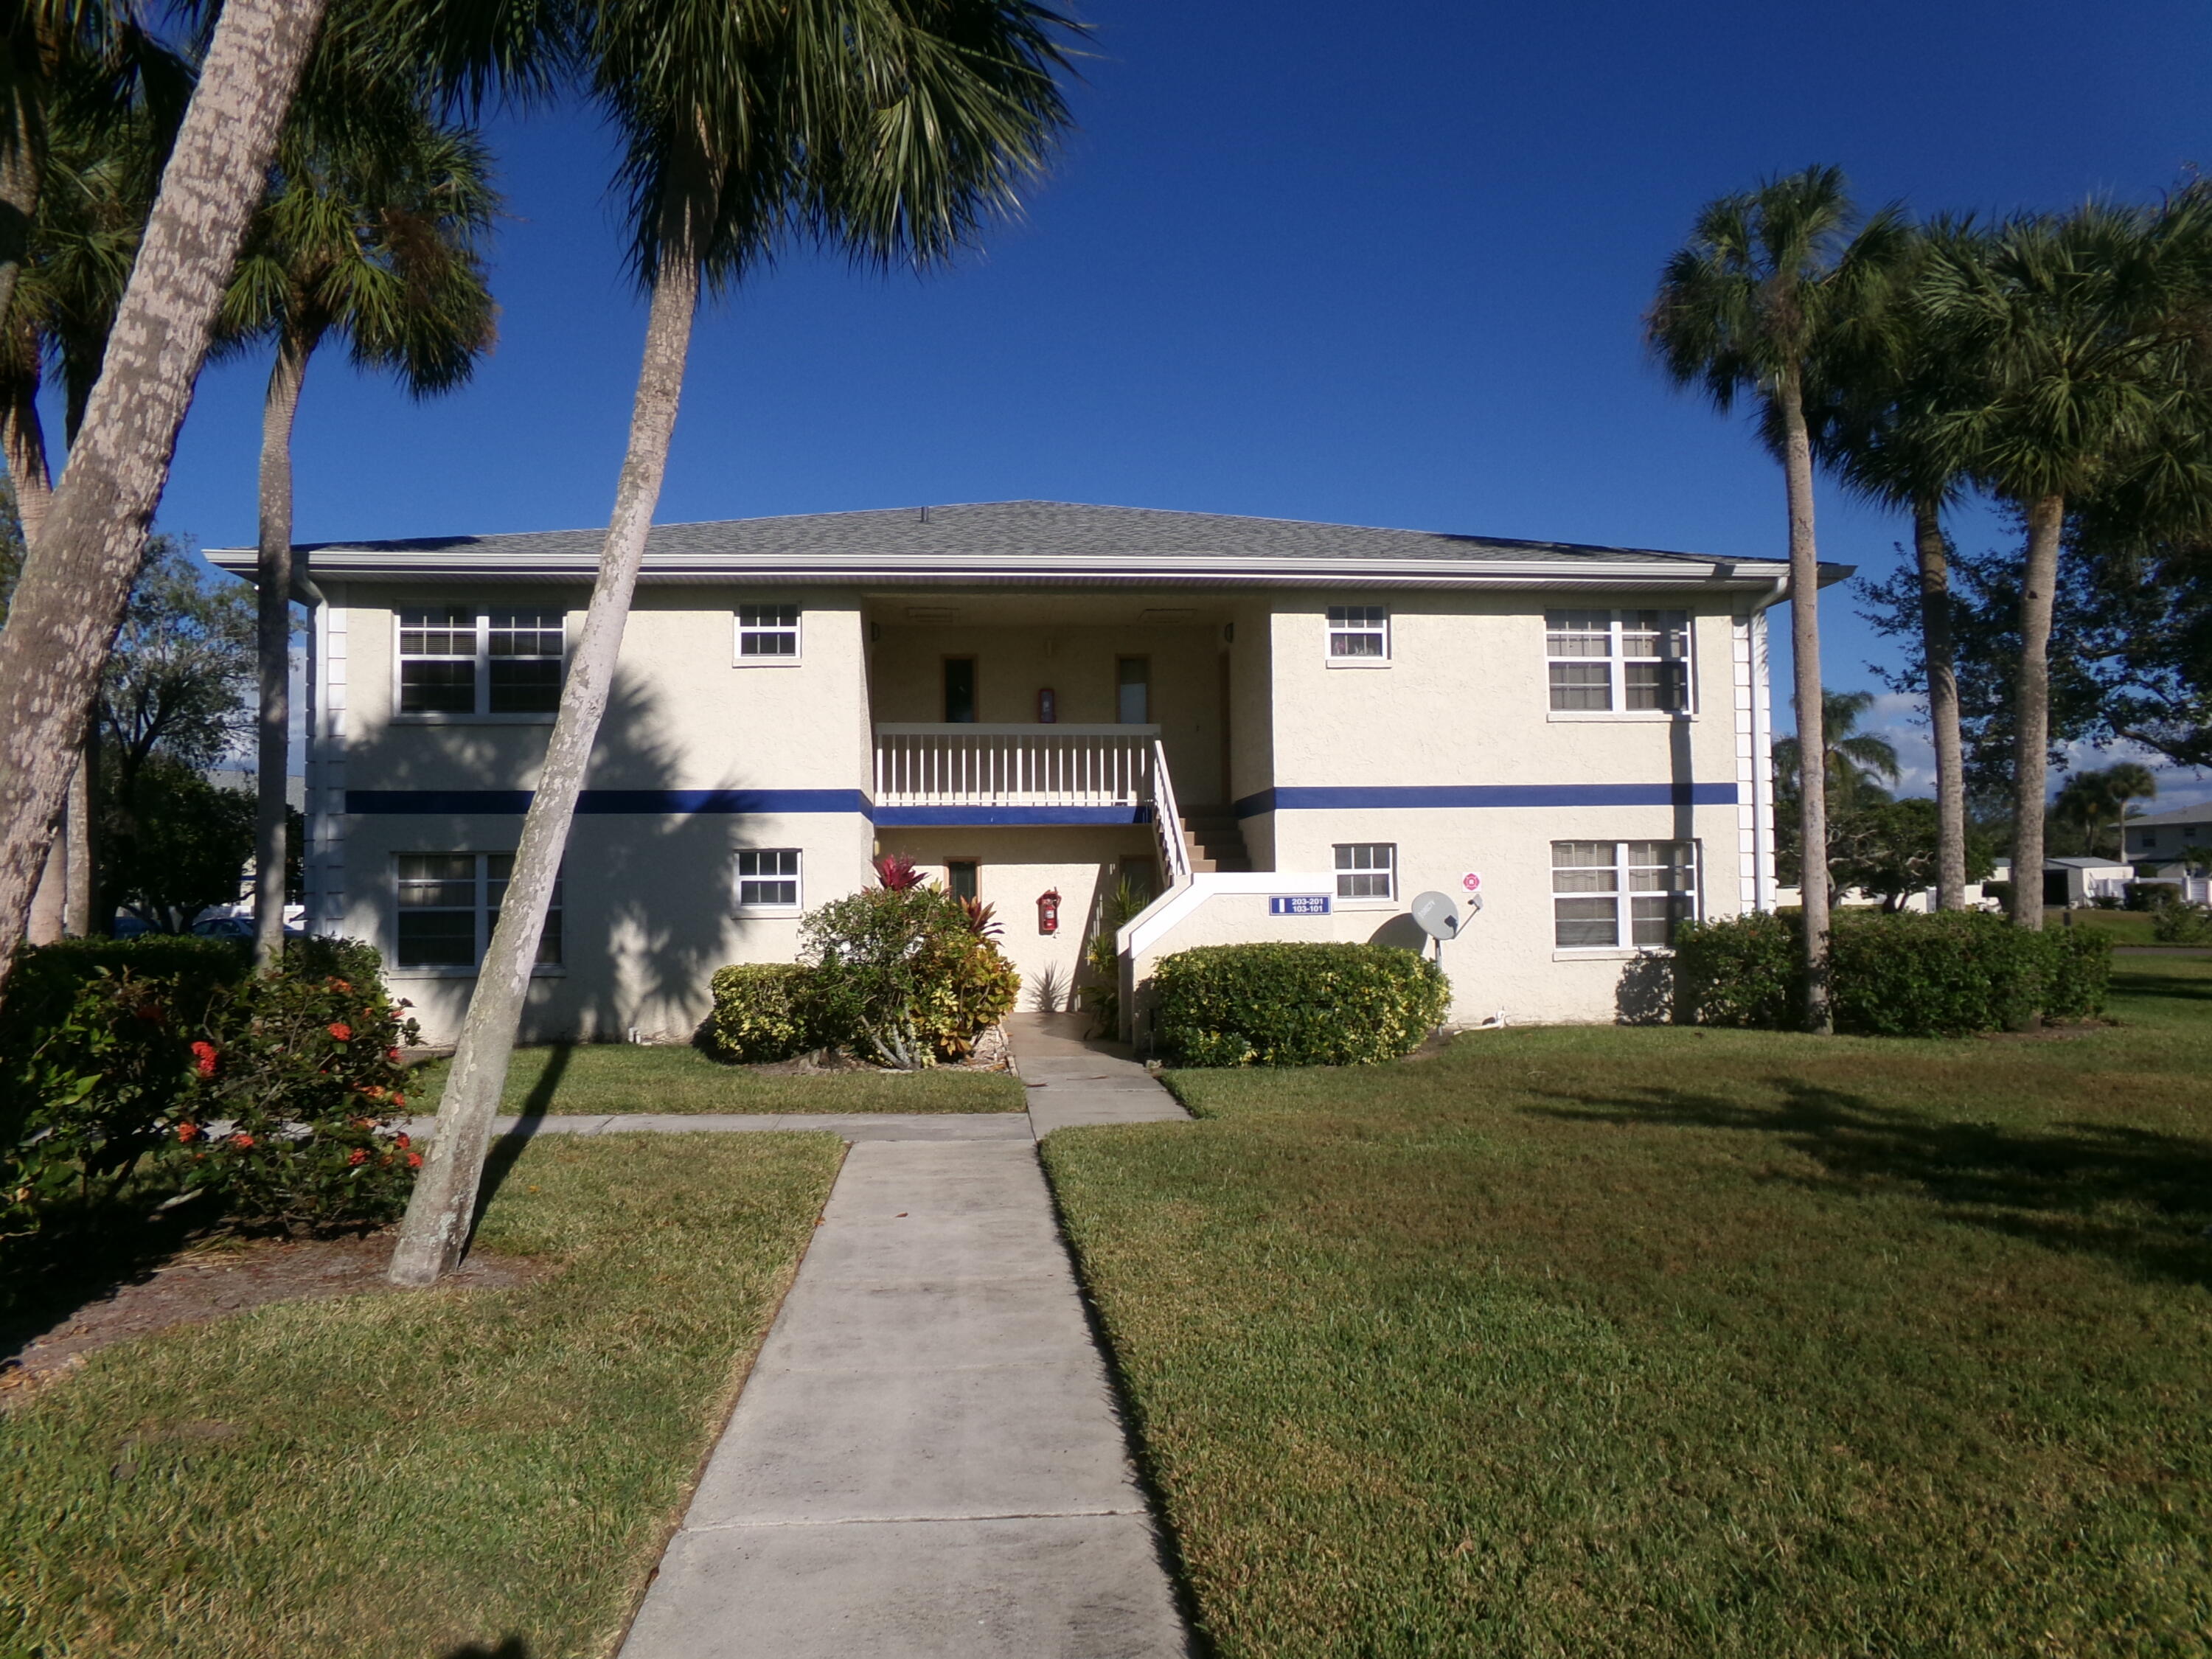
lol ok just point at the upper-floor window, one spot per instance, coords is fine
(448, 904)
(456, 659)
(1358, 633)
(1605, 894)
(1367, 870)
(1604, 661)
(768, 633)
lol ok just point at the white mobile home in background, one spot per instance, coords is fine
(1285, 730)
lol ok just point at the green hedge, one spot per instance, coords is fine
(762, 1012)
(1947, 974)
(1294, 1005)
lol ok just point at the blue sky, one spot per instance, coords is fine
(1379, 266)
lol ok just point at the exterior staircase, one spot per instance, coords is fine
(1214, 840)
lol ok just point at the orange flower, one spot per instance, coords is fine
(399, 1099)
(188, 1132)
(241, 1141)
(392, 1054)
(341, 1030)
(360, 1155)
(414, 1160)
(402, 1142)
(203, 1058)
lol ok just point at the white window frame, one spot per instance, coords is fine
(795, 630)
(796, 875)
(1344, 857)
(485, 915)
(1618, 624)
(1624, 891)
(1356, 622)
(482, 712)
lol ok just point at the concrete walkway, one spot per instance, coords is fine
(928, 1460)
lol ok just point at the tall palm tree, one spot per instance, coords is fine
(890, 129)
(2084, 337)
(1771, 283)
(369, 236)
(1882, 430)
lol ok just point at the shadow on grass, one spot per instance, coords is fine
(539, 1100)
(510, 1647)
(2141, 1198)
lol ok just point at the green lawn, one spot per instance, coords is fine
(419, 1475)
(1587, 1342)
(617, 1076)
(2125, 927)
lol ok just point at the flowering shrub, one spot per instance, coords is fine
(305, 1071)
(902, 976)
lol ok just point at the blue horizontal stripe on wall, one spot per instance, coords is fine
(1487, 794)
(515, 802)
(969, 818)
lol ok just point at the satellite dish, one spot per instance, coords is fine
(1438, 914)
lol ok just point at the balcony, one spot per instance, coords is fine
(977, 773)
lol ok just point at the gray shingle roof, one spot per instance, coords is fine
(1019, 529)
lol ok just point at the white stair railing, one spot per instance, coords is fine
(1167, 822)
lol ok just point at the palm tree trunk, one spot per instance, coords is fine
(19, 178)
(439, 1214)
(1812, 746)
(272, 575)
(75, 585)
(23, 444)
(1937, 647)
(2046, 522)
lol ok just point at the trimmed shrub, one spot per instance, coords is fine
(763, 1011)
(2178, 921)
(1294, 1005)
(1948, 974)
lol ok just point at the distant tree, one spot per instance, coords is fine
(369, 236)
(173, 844)
(2096, 801)
(1892, 849)
(1858, 766)
(1772, 283)
(176, 684)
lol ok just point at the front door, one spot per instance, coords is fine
(959, 690)
(1132, 690)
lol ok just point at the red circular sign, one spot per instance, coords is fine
(1471, 882)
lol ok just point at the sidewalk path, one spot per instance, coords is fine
(926, 1460)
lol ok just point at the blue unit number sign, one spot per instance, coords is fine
(1298, 904)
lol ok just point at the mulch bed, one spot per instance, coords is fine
(214, 1277)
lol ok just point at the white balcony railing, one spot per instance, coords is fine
(978, 765)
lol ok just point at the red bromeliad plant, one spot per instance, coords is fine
(897, 873)
(306, 1073)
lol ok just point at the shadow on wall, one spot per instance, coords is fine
(655, 886)
(1645, 995)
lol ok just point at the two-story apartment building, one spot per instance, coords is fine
(1284, 730)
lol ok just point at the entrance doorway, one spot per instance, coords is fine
(959, 690)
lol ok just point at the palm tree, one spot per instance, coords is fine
(1772, 282)
(369, 235)
(889, 128)
(76, 583)
(1858, 767)
(2081, 335)
(1882, 432)
(2094, 799)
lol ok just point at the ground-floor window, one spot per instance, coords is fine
(448, 904)
(768, 879)
(960, 878)
(1367, 870)
(1605, 894)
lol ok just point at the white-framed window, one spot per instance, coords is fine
(767, 634)
(1607, 895)
(447, 905)
(1367, 870)
(767, 880)
(1358, 634)
(1618, 661)
(459, 660)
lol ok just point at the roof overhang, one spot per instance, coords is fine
(459, 564)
